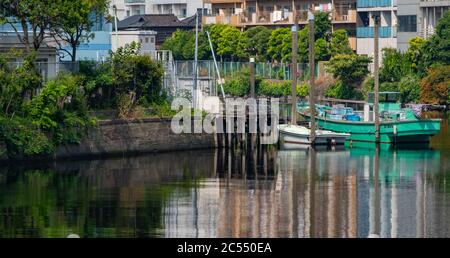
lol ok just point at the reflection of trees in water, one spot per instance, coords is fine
(120, 197)
(253, 193)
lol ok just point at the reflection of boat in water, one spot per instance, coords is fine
(397, 125)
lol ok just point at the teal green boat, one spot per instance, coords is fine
(397, 125)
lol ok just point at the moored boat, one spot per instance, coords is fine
(300, 135)
(397, 125)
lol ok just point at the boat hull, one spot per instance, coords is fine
(390, 132)
(324, 139)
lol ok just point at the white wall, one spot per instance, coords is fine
(145, 38)
(151, 7)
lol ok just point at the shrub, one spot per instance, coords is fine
(239, 86)
(271, 88)
(409, 89)
(98, 80)
(23, 138)
(435, 85)
(136, 73)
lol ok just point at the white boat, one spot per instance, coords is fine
(295, 134)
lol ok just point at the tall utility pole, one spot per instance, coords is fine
(115, 26)
(294, 71)
(312, 71)
(376, 20)
(195, 97)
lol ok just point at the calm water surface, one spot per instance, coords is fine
(349, 192)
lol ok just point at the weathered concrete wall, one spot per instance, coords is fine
(121, 137)
(128, 137)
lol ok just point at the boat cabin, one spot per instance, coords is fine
(387, 101)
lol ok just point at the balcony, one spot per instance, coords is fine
(367, 32)
(134, 1)
(233, 19)
(373, 3)
(348, 16)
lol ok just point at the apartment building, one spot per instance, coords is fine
(366, 10)
(180, 8)
(418, 18)
(97, 48)
(271, 13)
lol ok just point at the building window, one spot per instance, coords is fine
(146, 40)
(128, 13)
(407, 23)
(152, 40)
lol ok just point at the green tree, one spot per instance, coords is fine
(75, 22)
(303, 45)
(339, 43)
(278, 41)
(414, 52)
(258, 42)
(182, 45)
(322, 25)
(322, 50)
(395, 66)
(136, 74)
(436, 50)
(349, 70)
(35, 18)
(409, 87)
(232, 44)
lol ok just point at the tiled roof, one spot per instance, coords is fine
(153, 21)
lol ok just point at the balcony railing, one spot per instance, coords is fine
(367, 32)
(274, 18)
(345, 16)
(134, 1)
(373, 3)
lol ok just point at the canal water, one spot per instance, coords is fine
(346, 192)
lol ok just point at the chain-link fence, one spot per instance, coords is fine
(206, 69)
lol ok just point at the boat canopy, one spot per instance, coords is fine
(385, 96)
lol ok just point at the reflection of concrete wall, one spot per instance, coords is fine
(141, 171)
(119, 137)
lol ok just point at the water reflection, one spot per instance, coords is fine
(351, 192)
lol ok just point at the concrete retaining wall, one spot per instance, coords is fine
(120, 137)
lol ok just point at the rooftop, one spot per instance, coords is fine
(154, 20)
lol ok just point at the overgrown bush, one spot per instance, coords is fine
(57, 115)
(98, 82)
(340, 90)
(435, 86)
(409, 89)
(270, 88)
(239, 85)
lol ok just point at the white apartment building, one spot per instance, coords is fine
(387, 11)
(418, 18)
(180, 8)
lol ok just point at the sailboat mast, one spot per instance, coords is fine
(195, 97)
(294, 72)
(376, 78)
(312, 94)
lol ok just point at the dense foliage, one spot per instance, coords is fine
(436, 85)
(67, 22)
(35, 118)
(350, 71)
(35, 124)
(231, 44)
